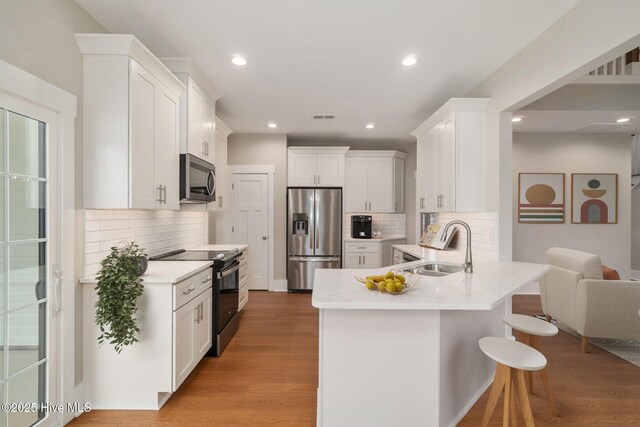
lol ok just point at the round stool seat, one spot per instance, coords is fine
(530, 325)
(513, 354)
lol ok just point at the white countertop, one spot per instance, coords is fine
(431, 254)
(376, 239)
(165, 271)
(489, 284)
(230, 247)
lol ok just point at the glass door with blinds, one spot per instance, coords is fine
(28, 259)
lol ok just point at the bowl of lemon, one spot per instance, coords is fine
(392, 282)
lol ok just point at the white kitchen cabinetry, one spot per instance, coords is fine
(131, 125)
(374, 181)
(369, 253)
(175, 333)
(451, 148)
(222, 132)
(192, 335)
(316, 166)
(243, 294)
(197, 109)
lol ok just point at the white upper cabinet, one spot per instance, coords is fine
(374, 181)
(451, 148)
(131, 125)
(221, 135)
(197, 109)
(316, 166)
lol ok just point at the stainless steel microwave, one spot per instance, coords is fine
(197, 180)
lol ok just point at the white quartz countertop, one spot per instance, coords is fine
(230, 247)
(376, 239)
(165, 271)
(430, 254)
(489, 284)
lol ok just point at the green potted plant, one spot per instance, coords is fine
(119, 287)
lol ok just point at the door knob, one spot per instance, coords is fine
(264, 237)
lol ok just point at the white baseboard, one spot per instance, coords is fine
(635, 274)
(278, 285)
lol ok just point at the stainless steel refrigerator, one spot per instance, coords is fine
(314, 230)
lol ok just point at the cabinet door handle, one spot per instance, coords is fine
(189, 291)
(362, 247)
(365, 206)
(205, 280)
(318, 179)
(364, 259)
(159, 199)
(359, 260)
(219, 201)
(421, 202)
(201, 311)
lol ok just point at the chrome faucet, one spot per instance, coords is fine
(468, 265)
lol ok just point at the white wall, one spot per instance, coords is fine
(38, 37)
(567, 50)
(267, 149)
(575, 153)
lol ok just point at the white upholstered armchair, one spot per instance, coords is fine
(574, 293)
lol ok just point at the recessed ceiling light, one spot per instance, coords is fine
(623, 120)
(370, 126)
(272, 125)
(409, 61)
(516, 119)
(239, 60)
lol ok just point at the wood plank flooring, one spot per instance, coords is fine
(268, 376)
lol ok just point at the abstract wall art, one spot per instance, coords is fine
(594, 198)
(541, 198)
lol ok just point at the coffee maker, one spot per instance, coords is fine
(361, 226)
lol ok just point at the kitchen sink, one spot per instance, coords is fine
(438, 269)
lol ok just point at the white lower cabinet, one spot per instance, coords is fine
(192, 335)
(175, 321)
(243, 293)
(369, 254)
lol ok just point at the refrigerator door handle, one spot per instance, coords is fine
(314, 259)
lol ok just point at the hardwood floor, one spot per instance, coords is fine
(593, 389)
(268, 376)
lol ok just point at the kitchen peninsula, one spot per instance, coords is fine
(410, 359)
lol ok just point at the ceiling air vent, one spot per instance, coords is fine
(323, 116)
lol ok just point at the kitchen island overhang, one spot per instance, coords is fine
(410, 359)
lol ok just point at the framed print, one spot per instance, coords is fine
(594, 198)
(541, 198)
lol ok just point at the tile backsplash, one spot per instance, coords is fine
(387, 224)
(484, 230)
(155, 231)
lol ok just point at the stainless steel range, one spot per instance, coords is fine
(226, 285)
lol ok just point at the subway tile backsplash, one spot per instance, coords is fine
(484, 232)
(155, 231)
(387, 224)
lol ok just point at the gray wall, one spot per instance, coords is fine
(38, 36)
(409, 170)
(575, 153)
(267, 149)
(635, 230)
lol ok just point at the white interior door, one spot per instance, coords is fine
(29, 257)
(251, 224)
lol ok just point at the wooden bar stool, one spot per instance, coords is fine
(530, 330)
(514, 359)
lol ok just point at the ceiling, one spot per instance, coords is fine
(584, 108)
(334, 57)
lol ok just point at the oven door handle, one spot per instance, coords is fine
(229, 271)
